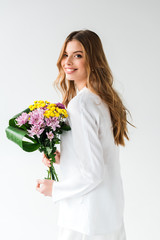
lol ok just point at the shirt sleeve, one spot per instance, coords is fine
(89, 152)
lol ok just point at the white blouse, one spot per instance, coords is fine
(90, 190)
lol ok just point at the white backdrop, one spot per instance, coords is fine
(32, 34)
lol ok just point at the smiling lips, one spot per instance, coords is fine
(70, 70)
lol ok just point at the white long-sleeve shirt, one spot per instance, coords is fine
(90, 190)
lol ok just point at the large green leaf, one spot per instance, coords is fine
(16, 135)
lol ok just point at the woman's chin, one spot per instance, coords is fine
(69, 79)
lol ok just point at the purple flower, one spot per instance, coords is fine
(37, 117)
(50, 135)
(60, 105)
(52, 122)
(22, 119)
(35, 130)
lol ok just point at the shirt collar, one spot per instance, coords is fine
(79, 91)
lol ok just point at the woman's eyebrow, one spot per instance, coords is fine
(75, 51)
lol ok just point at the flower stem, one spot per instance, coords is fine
(53, 173)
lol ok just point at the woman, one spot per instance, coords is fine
(90, 190)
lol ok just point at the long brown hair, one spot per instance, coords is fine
(99, 81)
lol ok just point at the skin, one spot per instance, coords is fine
(73, 58)
(44, 186)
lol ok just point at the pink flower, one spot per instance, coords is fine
(37, 117)
(52, 122)
(22, 119)
(50, 135)
(35, 130)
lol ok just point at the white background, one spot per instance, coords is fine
(32, 34)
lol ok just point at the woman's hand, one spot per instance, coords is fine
(45, 187)
(46, 161)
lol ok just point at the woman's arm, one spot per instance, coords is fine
(89, 152)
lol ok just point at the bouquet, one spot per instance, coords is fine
(41, 124)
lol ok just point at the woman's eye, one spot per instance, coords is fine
(79, 56)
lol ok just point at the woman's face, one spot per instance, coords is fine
(74, 63)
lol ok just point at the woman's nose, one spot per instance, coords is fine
(68, 60)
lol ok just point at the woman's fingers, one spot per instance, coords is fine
(57, 157)
(58, 152)
(46, 161)
(39, 182)
(45, 186)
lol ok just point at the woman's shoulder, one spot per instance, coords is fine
(89, 103)
(94, 104)
(86, 99)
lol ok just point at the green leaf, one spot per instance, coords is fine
(52, 155)
(59, 131)
(49, 150)
(16, 135)
(65, 127)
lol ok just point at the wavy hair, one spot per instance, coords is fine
(99, 81)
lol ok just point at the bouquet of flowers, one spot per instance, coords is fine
(41, 124)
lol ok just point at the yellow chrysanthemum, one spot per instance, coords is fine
(39, 105)
(59, 110)
(46, 115)
(51, 108)
(46, 102)
(31, 107)
(52, 114)
(64, 112)
(52, 105)
(57, 114)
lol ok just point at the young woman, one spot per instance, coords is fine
(90, 191)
